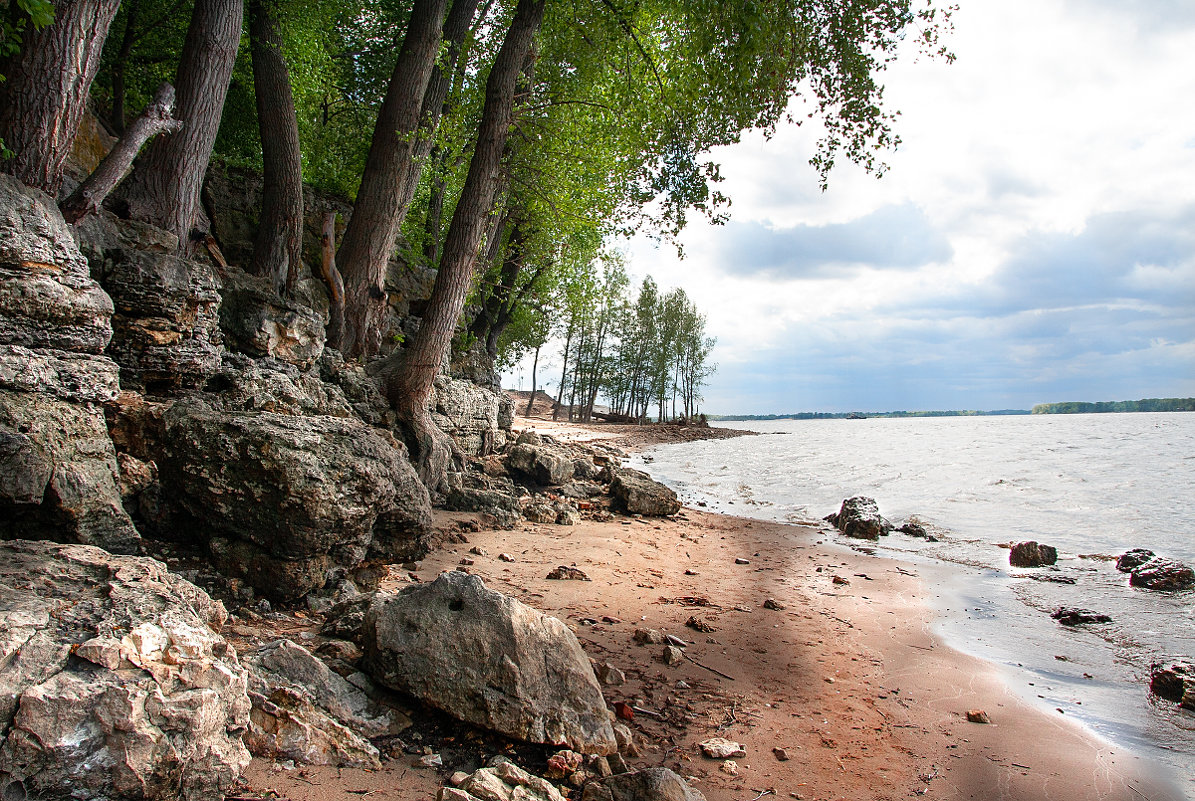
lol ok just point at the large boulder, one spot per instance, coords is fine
(47, 297)
(542, 463)
(859, 517)
(653, 784)
(287, 498)
(258, 322)
(166, 334)
(637, 493)
(1032, 554)
(489, 660)
(269, 385)
(305, 712)
(1162, 574)
(60, 470)
(114, 680)
(469, 414)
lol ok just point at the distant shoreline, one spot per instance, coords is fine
(1065, 407)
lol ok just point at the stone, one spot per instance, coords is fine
(741, 561)
(653, 784)
(242, 383)
(502, 506)
(1031, 554)
(610, 675)
(1130, 560)
(257, 321)
(468, 413)
(781, 754)
(567, 515)
(114, 682)
(166, 335)
(505, 557)
(540, 512)
(721, 748)
(1174, 682)
(859, 517)
(647, 637)
(489, 660)
(284, 724)
(1162, 574)
(563, 764)
(637, 493)
(542, 463)
(283, 499)
(1069, 616)
(53, 423)
(775, 605)
(505, 781)
(47, 296)
(567, 573)
(977, 716)
(729, 767)
(625, 738)
(672, 655)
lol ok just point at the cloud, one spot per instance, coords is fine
(892, 237)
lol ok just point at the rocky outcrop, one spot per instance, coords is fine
(469, 414)
(1174, 682)
(859, 517)
(653, 784)
(268, 385)
(114, 681)
(1162, 574)
(637, 493)
(258, 322)
(284, 499)
(489, 660)
(1031, 554)
(305, 712)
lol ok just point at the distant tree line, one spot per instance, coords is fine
(1144, 405)
(860, 415)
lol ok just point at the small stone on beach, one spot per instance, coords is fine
(721, 748)
(773, 604)
(978, 716)
(505, 557)
(673, 655)
(741, 561)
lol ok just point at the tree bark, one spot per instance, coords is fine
(278, 247)
(45, 92)
(156, 119)
(332, 278)
(121, 63)
(377, 215)
(164, 188)
(409, 388)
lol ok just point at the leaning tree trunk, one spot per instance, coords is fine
(409, 387)
(164, 188)
(278, 248)
(45, 92)
(377, 215)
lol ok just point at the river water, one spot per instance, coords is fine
(1091, 485)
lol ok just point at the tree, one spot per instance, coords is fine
(409, 382)
(164, 188)
(44, 93)
(278, 246)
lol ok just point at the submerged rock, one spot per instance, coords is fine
(860, 517)
(1174, 682)
(1162, 574)
(1129, 561)
(1070, 616)
(489, 660)
(1031, 554)
(114, 682)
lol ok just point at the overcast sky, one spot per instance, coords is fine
(1033, 241)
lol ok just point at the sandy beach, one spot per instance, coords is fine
(819, 659)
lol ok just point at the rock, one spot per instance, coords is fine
(859, 517)
(625, 739)
(114, 682)
(540, 512)
(505, 557)
(1174, 682)
(564, 572)
(469, 414)
(1069, 616)
(721, 748)
(839, 580)
(780, 754)
(245, 384)
(567, 515)
(346, 619)
(653, 784)
(741, 561)
(1130, 560)
(672, 655)
(636, 493)
(729, 767)
(47, 296)
(285, 724)
(52, 422)
(1162, 574)
(257, 321)
(503, 506)
(647, 637)
(775, 605)
(431, 761)
(977, 716)
(489, 660)
(1030, 554)
(698, 624)
(166, 334)
(563, 764)
(542, 463)
(505, 781)
(283, 499)
(610, 675)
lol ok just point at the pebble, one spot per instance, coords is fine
(840, 580)
(741, 561)
(773, 604)
(648, 637)
(721, 748)
(476, 551)
(458, 778)
(505, 557)
(673, 655)
(780, 754)
(730, 767)
(978, 716)
(567, 573)
(466, 562)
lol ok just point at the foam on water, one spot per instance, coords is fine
(1090, 485)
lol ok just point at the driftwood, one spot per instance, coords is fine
(154, 120)
(333, 279)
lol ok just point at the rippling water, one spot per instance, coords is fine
(1090, 485)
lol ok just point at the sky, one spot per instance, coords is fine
(1033, 240)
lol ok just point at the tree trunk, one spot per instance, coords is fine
(377, 215)
(278, 248)
(156, 119)
(164, 188)
(531, 397)
(121, 63)
(45, 93)
(409, 388)
(568, 339)
(332, 278)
